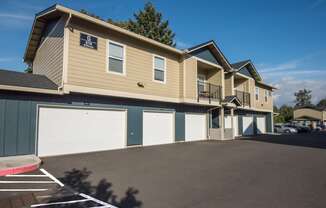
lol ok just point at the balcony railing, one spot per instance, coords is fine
(244, 97)
(208, 91)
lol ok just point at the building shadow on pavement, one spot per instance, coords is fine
(77, 181)
(313, 140)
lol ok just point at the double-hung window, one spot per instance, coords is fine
(266, 95)
(159, 69)
(257, 93)
(116, 62)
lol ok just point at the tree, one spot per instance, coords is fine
(84, 11)
(285, 114)
(122, 24)
(303, 98)
(322, 103)
(28, 70)
(149, 23)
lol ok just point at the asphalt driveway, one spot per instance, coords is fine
(269, 171)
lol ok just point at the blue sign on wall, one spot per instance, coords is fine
(88, 41)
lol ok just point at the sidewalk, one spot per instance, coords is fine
(18, 164)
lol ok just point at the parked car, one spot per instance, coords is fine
(299, 128)
(279, 128)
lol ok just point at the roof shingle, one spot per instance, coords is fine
(21, 79)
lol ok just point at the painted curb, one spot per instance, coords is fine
(20, 169)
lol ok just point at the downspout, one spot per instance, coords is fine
(65, 55)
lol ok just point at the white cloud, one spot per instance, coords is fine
(287, 86)
(6, 59)
(16, 16)
(281, 67)
(276, 74)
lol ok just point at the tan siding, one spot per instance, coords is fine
(307, 112)
(48, 60)
(181, 80)
(190, 78)
(252, 93)
(88, 67)
(214, 76)
(261, 103)
(228, 84)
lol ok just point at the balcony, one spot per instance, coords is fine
(208, 91)
(244, 97)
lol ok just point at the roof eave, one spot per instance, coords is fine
(211, 42)
(75, 13)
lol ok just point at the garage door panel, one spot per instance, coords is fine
(196, 127)
(158, 128)
(68, 131)
(261, 125)
(248, 125)
(235, 126)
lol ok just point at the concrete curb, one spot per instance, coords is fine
(31, 164)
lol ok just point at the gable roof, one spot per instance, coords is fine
(251, 67)
(21, 79)
(239, 64)
(232, 99)
(57, 10)
(212, 46)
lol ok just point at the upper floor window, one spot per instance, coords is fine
(266, 95)
(116, 63)
(257, 93)
(159, 67)
(270, 93)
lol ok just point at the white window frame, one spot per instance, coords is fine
(266, 95)
(124, 71)
(257, 93)
(202, 78)
(164, 70)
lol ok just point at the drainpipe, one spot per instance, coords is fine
(65, 55)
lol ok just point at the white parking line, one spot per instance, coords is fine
(52, 177)
(85, 197)
(97, 201)
(26, 176)
(21, 190)
(57, 203)
(27, 182)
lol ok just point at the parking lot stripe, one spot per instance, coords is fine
(52, 177)
(27, 182)
(58, 203)
(97, 201)
(21, 190)
(26, 176)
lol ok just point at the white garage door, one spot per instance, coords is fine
(261, 125)
(196, 127)
(68, 130)
(158, 128)
(235, 126)
(248, 125)
(227, 122)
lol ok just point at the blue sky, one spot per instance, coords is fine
(285, 39)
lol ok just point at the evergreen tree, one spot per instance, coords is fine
(286, 112)
(149, 23)
(122, 24)
(322, 104)
(28, 70)
(84, 11)
(303, 98)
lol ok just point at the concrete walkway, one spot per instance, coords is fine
(18, 164)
